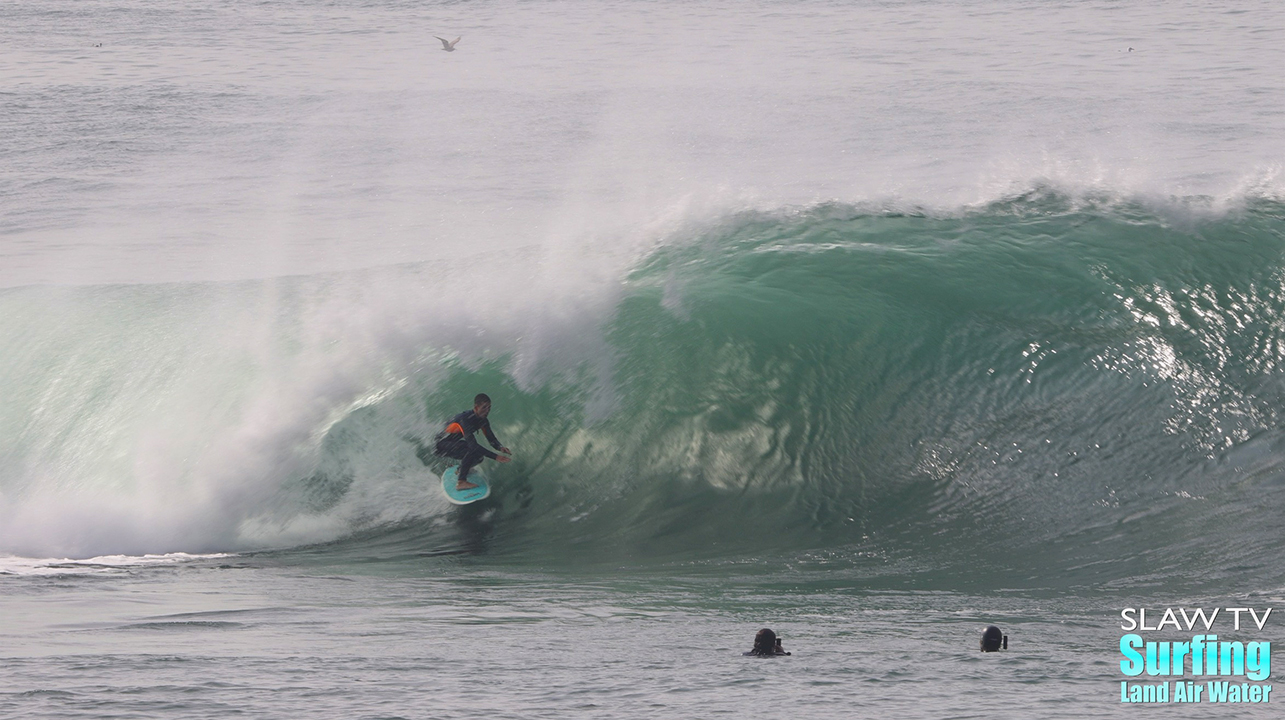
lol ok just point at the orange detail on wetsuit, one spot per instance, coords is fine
(454, 429)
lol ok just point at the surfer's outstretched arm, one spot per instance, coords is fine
(495, 442)
(476, 446)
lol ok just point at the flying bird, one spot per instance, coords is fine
(448, 46)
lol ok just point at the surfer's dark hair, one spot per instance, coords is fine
(764, 642)
(481, 399)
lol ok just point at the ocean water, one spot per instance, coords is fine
(874, 323)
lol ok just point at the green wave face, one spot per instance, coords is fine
(1070, 392)
(1041, 391)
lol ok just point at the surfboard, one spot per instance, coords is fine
(464, 497)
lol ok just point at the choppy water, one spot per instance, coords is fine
(872, 323)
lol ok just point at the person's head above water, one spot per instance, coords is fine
(766, 644)
(993, 639)
(481, 405)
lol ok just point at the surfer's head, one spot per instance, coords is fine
(481, 405)
(993, 639)
(764, 642)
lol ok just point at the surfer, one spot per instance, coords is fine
(766, 644)
(457, 441)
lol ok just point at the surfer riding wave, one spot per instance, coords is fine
(457, 441)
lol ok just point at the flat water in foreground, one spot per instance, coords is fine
(234, 636)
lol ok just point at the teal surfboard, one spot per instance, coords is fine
(464, 497)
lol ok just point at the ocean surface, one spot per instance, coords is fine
(874, 323)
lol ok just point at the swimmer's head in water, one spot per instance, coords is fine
(993, 639)
(764, 642)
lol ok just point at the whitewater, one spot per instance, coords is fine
(873, 323)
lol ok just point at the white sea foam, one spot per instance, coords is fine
(27, 566)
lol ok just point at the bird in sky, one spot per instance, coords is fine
(448, 46)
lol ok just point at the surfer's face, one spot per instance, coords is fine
(481, 410)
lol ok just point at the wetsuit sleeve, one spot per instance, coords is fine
(473, 443)
(490, 436)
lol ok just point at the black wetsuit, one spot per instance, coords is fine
(457, 441)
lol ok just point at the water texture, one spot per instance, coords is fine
(874, 323)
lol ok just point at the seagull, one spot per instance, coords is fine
(448, 46)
